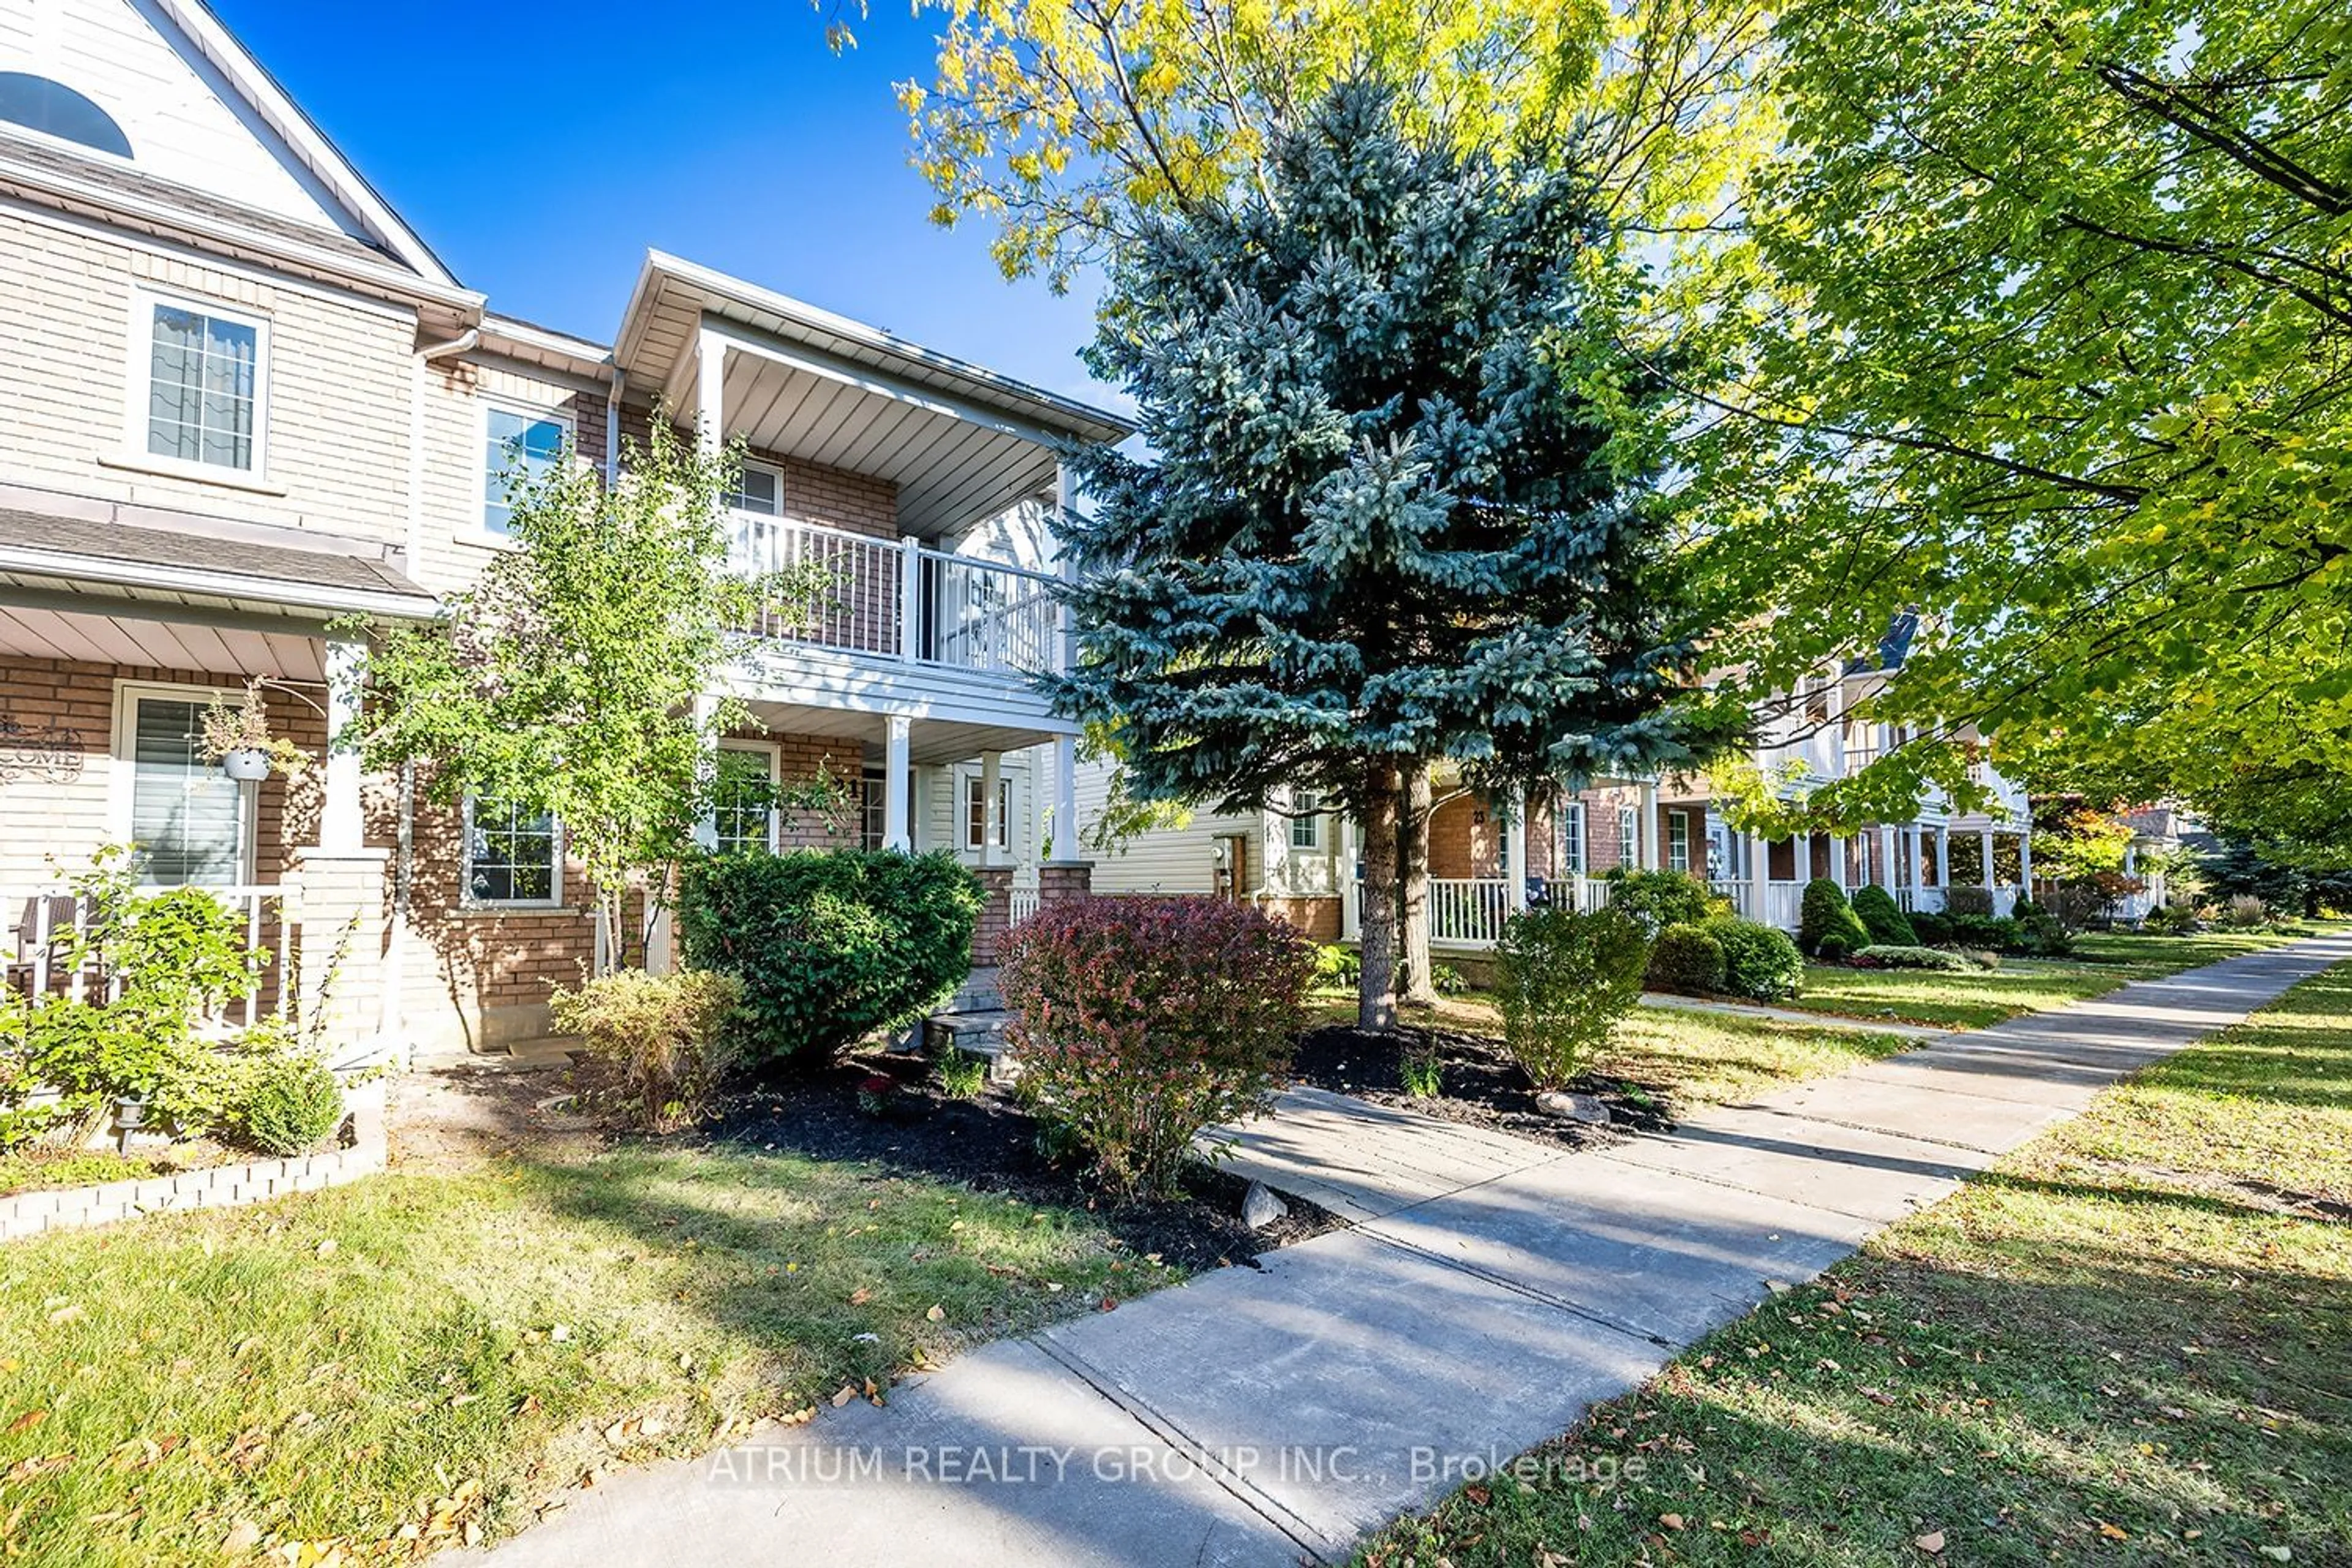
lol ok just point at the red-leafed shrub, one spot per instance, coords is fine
(1137, 1021)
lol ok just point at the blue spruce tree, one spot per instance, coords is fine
(1400, 502)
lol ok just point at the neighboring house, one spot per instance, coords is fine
(1488, 859)
(245, 401)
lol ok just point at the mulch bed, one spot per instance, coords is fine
(1479, 1085)
(991, 1144)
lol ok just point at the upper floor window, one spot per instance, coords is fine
(1306, 819)
(757, 488)
(56, 109)
(512, 856)
(521, 447)
(205, 392)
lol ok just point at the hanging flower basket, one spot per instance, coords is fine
(246, 763)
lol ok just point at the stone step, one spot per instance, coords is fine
(979, 1033)
(978, 994)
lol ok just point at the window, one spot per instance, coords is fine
(1306, 823)
(1678, 845)
(56, 109)
(193, 824)
(975, 813)
(757, 488)
(1572, 838)
(512, 856)
(520, 449)
(873, 816)
(744, 820)
(1629, 837)
(203, 385)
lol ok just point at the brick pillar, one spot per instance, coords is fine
(995, 913)
(331, 893)
(1059, 881)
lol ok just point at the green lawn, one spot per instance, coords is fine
(2129, 1343)
(1685, 1059)
(2100, 963)
(416, 1358)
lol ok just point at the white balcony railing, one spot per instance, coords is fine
(896, 599)
(41, 940)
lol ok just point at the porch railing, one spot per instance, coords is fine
(41, 942)
(898, 599)
(1920, 900)
(1468, 911)
(1026, 897)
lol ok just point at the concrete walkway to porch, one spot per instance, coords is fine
(1489, 1291)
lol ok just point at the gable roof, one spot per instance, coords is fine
(310, 145)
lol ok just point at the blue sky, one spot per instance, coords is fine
(542, 152)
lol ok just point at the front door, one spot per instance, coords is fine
(1232, 867)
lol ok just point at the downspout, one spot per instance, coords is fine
(403, 871)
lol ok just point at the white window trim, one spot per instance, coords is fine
(479, 532)
(775, 755)
(1312, 822)
(1575, 849)
(750, 465)
(124, 761)
(139, 378)
(969, 780)
(554, 899)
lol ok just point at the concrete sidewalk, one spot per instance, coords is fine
(1488, 1293)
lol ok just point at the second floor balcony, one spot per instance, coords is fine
(903, 601)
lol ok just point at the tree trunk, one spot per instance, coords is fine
(1416, 979)
(1376, 988)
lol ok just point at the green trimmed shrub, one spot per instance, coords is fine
(675, 1037)
(292, 1105)
(1894, 956)
(1138, 1021)
(1932, 929)
(1563, 980)
(831, 944)
(1883, 918)
(1685, 960)
(1827, 926)
(2171, 919)
(2038, 931)
(1656, 899)
(1967, 898)
(1759, 961)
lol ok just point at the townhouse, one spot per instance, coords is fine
(248, 412)
(1489, 858)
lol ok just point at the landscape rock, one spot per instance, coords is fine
(1573, 1107)
(1260, 1207)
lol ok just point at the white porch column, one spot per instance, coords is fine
(1984, 841)
(898, 781)
(710, 392)
(1944, 859)
(706, 774)
(1886, 858)
(2026, 863)
(1514, 856)
(991, 769)
(340, 828)
(1040, 802)
(1760, 876)
(1647, 840)
(910, 599)
(1841, 863)
(1351, 911)
(1066, 799)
